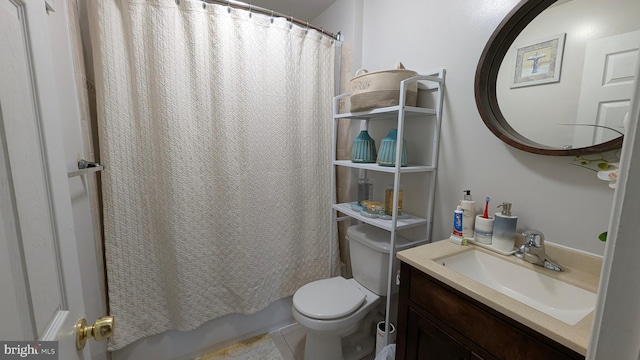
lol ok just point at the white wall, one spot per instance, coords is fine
(345, 16)
(565, 202)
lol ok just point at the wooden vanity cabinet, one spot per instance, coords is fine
(436, 321)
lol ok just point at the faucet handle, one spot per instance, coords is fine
(531, 235)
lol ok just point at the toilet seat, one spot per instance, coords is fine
(328, 298)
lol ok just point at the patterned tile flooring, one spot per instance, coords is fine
(286, 343)
(290, 341)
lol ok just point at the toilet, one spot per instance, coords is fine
(338, 313)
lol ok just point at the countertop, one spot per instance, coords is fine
(581, 269)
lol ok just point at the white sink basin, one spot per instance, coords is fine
(553, 297)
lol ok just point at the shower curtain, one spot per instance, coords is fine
(215, 129)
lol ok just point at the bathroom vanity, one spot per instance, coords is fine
(445, 315)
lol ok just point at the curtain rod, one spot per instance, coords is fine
(261, 10)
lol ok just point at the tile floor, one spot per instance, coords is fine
(258, 347)
(290, 341)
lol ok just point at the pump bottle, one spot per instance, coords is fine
(504, 229)
(468, 214)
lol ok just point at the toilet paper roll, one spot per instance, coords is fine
(380, 335)
(483, 230)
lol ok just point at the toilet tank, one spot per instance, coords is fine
(369, 247)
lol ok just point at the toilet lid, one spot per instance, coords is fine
(328, 298)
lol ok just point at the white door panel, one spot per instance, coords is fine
(24, 146)
(607, 86)
(619, 66)
(611, 115)
(44, 301)
(14, 297)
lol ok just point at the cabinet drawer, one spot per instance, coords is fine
(494, 332)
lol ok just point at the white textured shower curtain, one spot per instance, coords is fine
(215, 129)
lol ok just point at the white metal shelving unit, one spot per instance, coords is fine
(433, 81)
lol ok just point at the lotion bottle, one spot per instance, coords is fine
(504, 229)
(468, 214)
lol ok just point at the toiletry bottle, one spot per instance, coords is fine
(388, 200)
(468, 214)
(456, 234)
(365, 190)
(504, 229)
(457, 222)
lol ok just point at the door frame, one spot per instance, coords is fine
(616, 322)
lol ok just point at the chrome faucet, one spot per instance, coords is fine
(533, 251)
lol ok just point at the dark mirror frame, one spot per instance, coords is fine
(487, 74)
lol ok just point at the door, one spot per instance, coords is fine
(41, 299)
(426, 341)
(607, 86)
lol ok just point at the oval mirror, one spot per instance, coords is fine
(556, 77)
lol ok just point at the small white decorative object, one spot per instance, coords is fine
(610, 175)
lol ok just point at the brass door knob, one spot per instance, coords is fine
(100, 330)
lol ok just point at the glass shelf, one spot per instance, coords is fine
(409, 222)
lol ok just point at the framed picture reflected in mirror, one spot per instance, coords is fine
(539, 63)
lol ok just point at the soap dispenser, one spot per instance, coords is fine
(504, 229)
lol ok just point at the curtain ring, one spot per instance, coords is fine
(272, 16)
(290, 22)
(204, 4)
(307, 26)
(250, 8)
(228, 7)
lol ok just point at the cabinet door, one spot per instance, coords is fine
(426, 341)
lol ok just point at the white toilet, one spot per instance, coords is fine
(337, 313)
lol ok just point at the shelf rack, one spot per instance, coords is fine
(431, 81)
